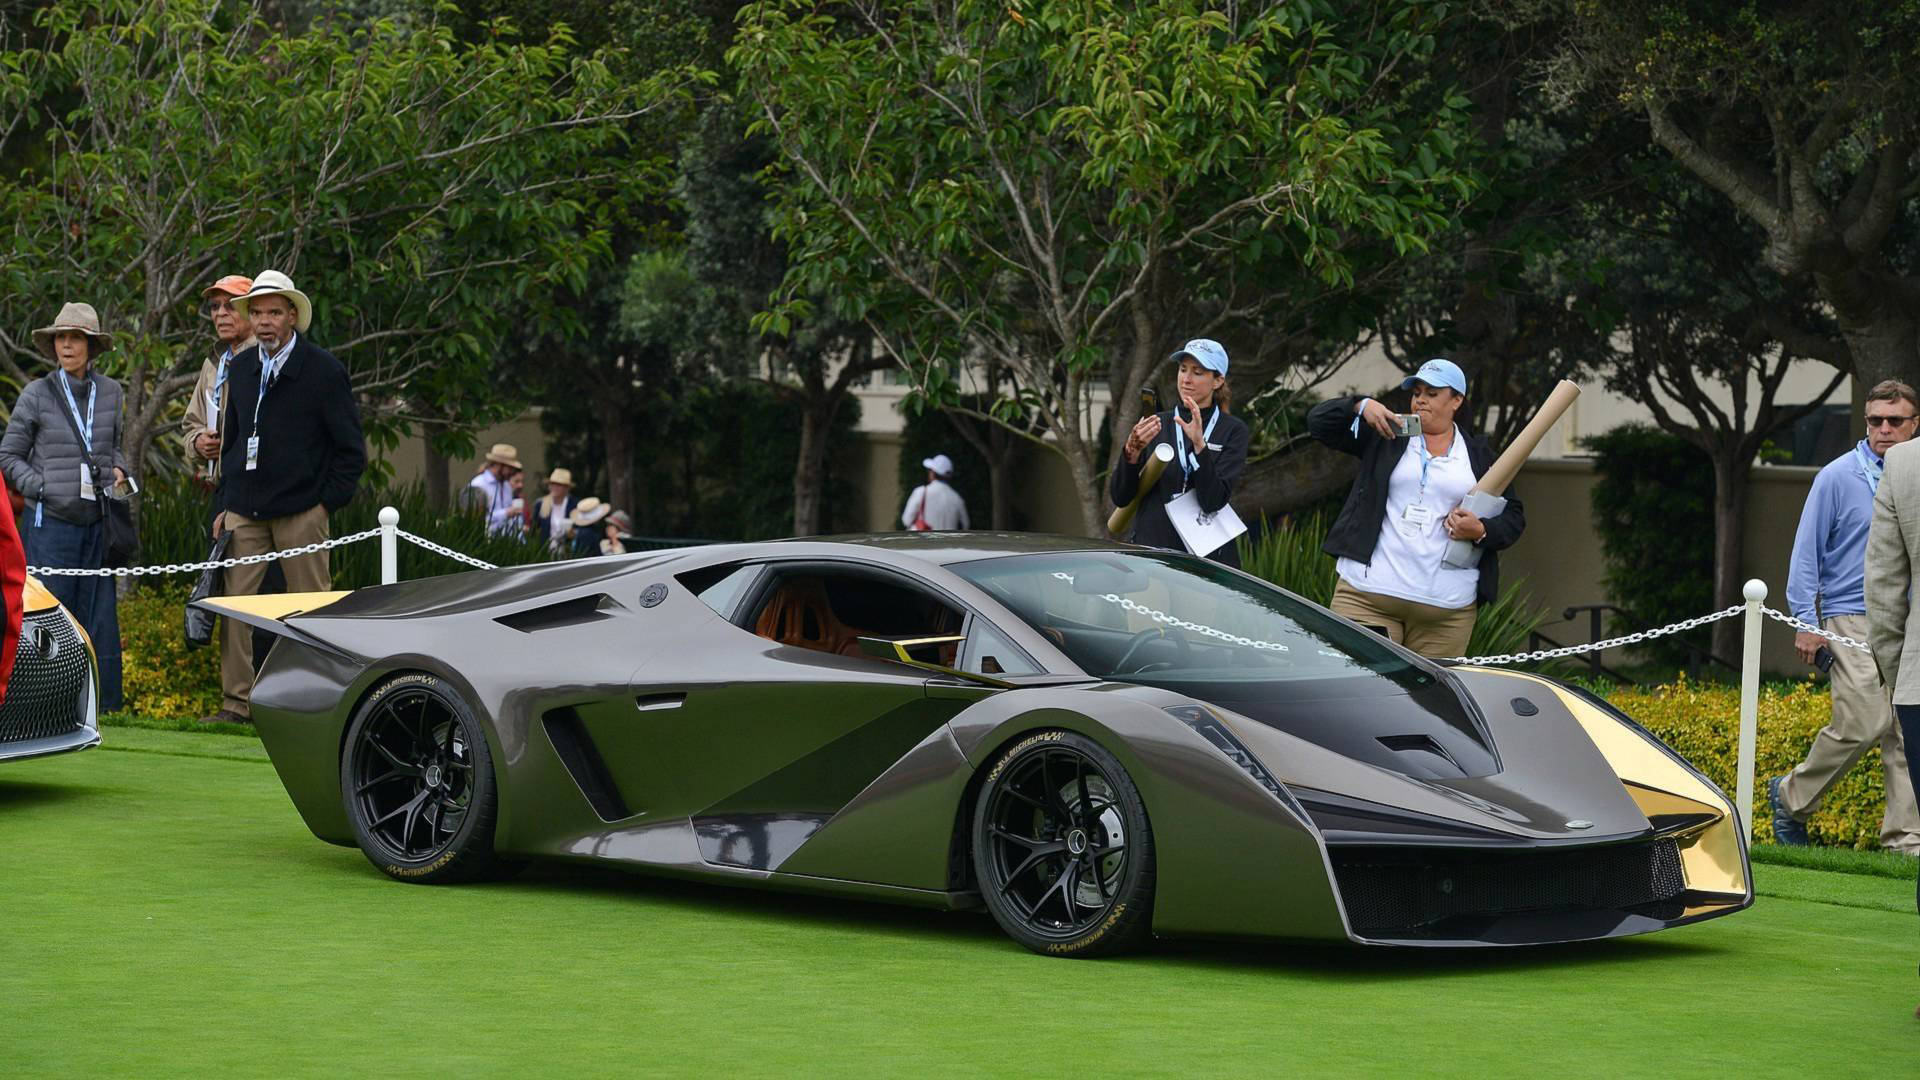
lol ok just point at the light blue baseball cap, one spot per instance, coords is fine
(1206, 352)
(1438, 372)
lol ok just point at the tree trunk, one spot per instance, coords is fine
(616, 427)
(810, 471)
(1093, 496)
(1000, 478)
(1731, 476)
(1885, 344)
(1283, 483)
(436, 468)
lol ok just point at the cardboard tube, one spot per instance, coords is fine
(1122, 516)
(1507, 465)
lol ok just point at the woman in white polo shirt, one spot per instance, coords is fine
(1404, 508)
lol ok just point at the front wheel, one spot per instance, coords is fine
(1062, 848)
(417, 779)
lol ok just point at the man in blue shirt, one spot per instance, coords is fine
(1826, 587)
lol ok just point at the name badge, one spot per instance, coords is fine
(253, 452)
(86, 482)
(1415, 519)
(1216, 447)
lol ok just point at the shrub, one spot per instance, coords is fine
(1702, 722)
(1653, 509)
(160, 676)
(1289, 555)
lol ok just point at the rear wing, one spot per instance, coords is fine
(270, 612)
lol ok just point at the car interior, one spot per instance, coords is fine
(831, 611)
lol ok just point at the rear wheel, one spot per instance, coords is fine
(1063, 849)
(417, 779)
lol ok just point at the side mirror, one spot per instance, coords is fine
(898, 651)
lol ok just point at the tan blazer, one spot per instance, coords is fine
(197, 420)
(1893, 549)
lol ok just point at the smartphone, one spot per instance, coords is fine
(1409, 424)
(1823, 658)
(1149, 400)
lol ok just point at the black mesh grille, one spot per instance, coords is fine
(1411, 889)
(46, 695)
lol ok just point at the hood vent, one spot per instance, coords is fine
(1422, 756)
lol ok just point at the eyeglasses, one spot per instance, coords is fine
(212, 307)
(1888, 421)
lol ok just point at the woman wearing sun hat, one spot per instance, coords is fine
(62, 453)
(586, 519)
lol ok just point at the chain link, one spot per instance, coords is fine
(447, 551)
(1808, 628)
(1596, 646)
(189, 568)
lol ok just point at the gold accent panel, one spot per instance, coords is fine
(35, 597)
(273, 606)
(1710, 855)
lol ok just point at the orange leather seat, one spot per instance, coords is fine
(798, 614)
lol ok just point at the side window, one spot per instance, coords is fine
(989, 652)
(719, 587)
(830, 611)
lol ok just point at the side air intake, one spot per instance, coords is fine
(580, 609)
(584, 763)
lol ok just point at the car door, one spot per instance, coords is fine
(766, 739)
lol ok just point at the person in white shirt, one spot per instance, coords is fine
(491, 489)
(934, 505)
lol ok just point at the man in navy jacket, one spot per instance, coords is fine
(293, 452)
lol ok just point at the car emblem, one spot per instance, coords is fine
(44, 642)
(1579, 824)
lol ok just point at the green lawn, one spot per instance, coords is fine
(165, 913)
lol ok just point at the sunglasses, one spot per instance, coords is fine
(1888, 421)
(211, 307)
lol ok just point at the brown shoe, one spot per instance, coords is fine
(226, 716)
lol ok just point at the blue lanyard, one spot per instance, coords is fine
(220, 378)
(1190, 460)
(1426, 459)
(269, 368)
(86, 425)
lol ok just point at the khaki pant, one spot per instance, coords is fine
(1861, 718)
(1427, 630)
(305, 573)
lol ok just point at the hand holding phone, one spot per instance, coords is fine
(1149, 400)
(1823, 658)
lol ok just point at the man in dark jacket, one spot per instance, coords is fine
(1403, 509)
(293, 451)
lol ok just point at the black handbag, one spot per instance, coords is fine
(199, 623)
(123, 540)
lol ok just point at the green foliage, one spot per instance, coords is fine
(160, 677)
(1701, 722)
(1290, 557)
(1653, 509)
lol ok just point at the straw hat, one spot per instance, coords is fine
(77, 317)
(275, 283)
(504, 454)
(589, 512)
(561, 476)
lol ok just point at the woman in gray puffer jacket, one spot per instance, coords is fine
(63, 477)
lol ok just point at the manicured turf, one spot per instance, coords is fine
(165, 913)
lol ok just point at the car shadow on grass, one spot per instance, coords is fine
(20, 794)
(975, 929)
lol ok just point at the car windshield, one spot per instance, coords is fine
(1172, 620)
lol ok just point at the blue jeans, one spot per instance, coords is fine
(51, 541)
(1910, 731)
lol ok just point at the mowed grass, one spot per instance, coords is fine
(163, 912)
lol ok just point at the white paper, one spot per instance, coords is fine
(213, 411)
(1203, 533)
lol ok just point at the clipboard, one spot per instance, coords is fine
(1203, 533)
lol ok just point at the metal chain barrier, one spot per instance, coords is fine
(1165, 619)
(190, 568)
(437, 549)
(1610, 643)
(1806, 628)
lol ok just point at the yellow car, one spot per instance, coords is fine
(52, 695)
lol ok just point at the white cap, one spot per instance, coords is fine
(941, 464)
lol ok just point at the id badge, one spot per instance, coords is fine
(86, 482)
(1416, 519)
(253, 452)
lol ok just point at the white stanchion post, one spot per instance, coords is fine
(1756, 594)
(389, 545)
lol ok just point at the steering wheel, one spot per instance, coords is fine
(1151, 633)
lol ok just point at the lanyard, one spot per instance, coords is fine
(269, 369)
(220, 377)
(1426, 459)
(1190, 460)
(1869, 468)
(86, 425)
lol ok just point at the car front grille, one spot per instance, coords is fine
(47, 694)
(1404, 890)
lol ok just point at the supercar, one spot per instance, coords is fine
(1098, 743)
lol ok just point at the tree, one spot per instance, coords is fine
(1067, 191)
(428, 193)
(1805, 119)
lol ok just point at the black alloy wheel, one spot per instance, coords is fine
(417, 779)
(1063, 849)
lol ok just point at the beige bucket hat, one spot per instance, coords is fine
(77, 317)
(589, 512)
(275, 283)
(504, 454)
(561, 476)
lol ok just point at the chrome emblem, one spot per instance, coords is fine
(1578, 824)
(44, 642)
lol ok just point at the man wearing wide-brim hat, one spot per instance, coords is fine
(291, 453)
(62, 453)
(491, 489)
